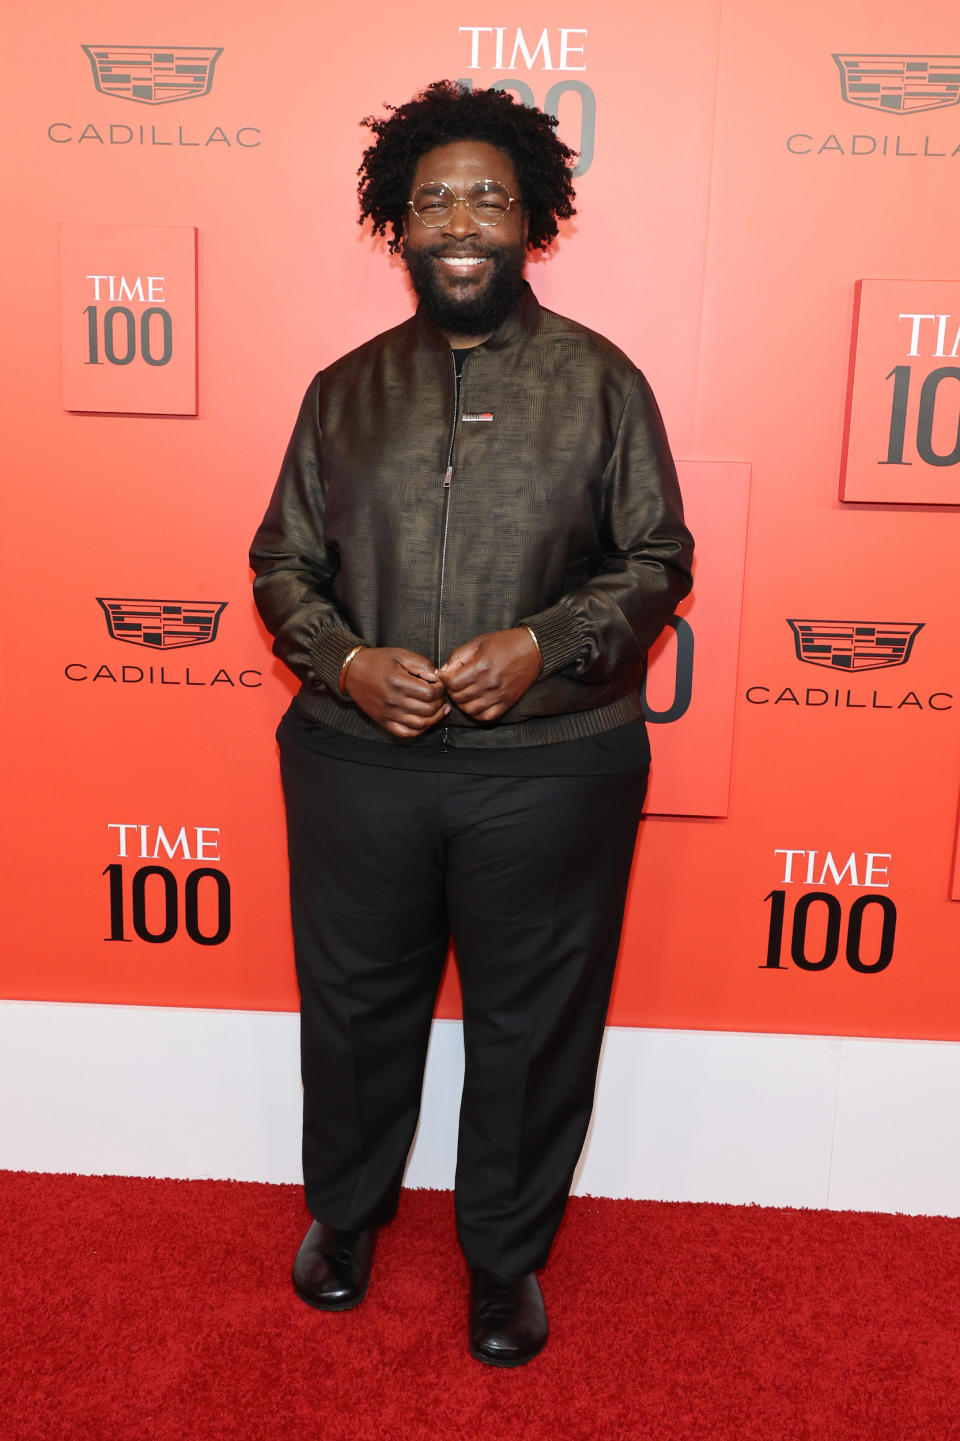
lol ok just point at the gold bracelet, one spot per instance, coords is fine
(350, 655)
(533, 637)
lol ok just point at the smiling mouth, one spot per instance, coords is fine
(463, 262)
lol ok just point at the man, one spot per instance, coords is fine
(475, 537)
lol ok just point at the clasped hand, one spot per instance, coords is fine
(406, 694)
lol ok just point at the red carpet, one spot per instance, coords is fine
(141, 1309)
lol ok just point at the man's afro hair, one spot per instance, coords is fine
(443, 113)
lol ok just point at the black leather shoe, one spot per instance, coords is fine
(508, 1320)
(332, 1269)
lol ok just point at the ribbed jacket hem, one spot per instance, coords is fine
(535, 731)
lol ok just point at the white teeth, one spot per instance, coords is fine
(463, 259)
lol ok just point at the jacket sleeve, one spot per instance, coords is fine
(294, 566)
(613, 618)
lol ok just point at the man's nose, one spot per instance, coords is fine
(461, 222)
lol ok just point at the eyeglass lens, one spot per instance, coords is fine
(487, 202)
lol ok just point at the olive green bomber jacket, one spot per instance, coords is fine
(550, 499)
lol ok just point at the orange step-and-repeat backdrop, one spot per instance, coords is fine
(766, 223)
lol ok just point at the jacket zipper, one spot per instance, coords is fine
(447, 479)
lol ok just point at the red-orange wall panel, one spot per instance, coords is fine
(735, 194)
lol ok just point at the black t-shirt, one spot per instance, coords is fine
(609, 753)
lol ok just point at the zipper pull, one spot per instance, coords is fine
(448, 477)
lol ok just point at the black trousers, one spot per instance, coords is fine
(529, 876)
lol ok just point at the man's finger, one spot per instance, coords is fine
(475, 679)
(405, 684)
(417, 724)
(403, 705)
(485, 713)
(401, 696)
(474, 698)
(400, 706)
(472, 705)
(417, 664)
(427, 673)
(413, 721)
(461, 655)
(465, 675)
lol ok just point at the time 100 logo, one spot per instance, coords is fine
(878, 912)
(149, 900)
(931, 392)
(115, 333)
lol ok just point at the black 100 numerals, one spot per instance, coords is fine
(831, 942)
(165, 905)
(119, 341)
(929, 391)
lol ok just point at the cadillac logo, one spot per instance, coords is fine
(854, 645)
(152, 74)
(900, 84)
(162, 624)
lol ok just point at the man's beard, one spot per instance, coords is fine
(479, 314)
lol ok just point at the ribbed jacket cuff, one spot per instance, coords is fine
(558, 635)
(330, 650)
